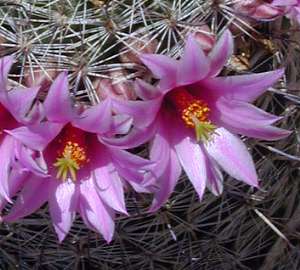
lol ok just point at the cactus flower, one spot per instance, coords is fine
(267, 10)
(292, 7)
(16, 109)
(83, 175)
(193, 116)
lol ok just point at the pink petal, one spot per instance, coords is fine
(108, 183)
(32, 197)
(143, 112)
(243, 87)
(58, 105)
(139, 188)
(284, 2)
(192, 159)
(239, 110)
(5, 66)
(160, 147)
(266, 11)
(214, 177)
(96, 119)
(135, 138)
(220, 53)
(63, 200)
(194, 65)
(94, 212)
(6, 157)
(146, 91)
(232, 155)
(233, 114)
(121, 124)
(130, 166)
(163, 68)
(28, 160)
(16, 180)
(166, 182)
(19, 101)
(36, 137)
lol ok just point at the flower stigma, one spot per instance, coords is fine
(194, 113)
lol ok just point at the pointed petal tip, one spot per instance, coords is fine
(145, 57)
(60, 237)
(279, 72)
(227, 33)
(284, 133)
(153, 208)
(8, 59)
(108, 240)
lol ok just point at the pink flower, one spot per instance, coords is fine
(84, 175)
(260, 9)
(269, 9)
(192, 114)
(16, 109)
(292, 7)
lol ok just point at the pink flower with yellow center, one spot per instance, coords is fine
(17, 108)
(192, 116)
(83, 175)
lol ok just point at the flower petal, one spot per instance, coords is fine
(121, 124)
(19, 101)
(6, 157)
(143, 112)
(232, 155)
(135, 138)
(166, 182)
(234, 113)
(38, 136)
(63, 200)
(214, 176)
(94, 212)
(32, 197)
(192, 159)
(243, 87)
(163, 68)
(130, 166)
(145, 90)
(160, 146)
(284, 2)
(16, 180)
(108, 183)
(96, 119)
(220, 53)
(29, 161)
(58, 105)
(5, 66)
(194, 65)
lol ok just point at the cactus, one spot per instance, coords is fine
(98, 43)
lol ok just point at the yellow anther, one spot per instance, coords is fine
(71, 159)
(198, 109)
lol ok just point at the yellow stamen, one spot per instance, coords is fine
(196, 116)
(197, 109)
(72, 157)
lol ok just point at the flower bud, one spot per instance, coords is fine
(116, 87)
(205, 38)
(138, 45)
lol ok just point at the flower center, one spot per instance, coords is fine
(72, 154)
(194, 112)
(6, 119)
